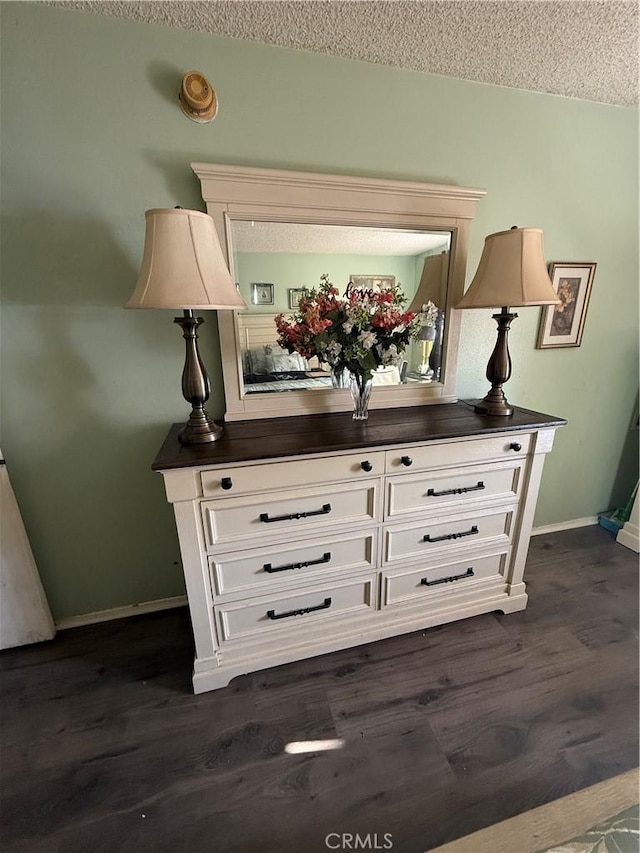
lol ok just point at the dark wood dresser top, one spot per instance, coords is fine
(243, 441)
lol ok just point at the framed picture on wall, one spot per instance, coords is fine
(562, 325)
(295, 295)
(262, 293)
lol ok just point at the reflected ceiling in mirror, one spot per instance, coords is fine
(299, 238)
(274, 263)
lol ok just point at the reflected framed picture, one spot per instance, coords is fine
(562, 325)
(373, 282)
(295, 295)
(262, 293)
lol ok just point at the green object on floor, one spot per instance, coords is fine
(614, 519)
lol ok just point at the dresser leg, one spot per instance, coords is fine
(517, 599)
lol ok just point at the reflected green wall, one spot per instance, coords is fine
(92, 136)
(296, 270)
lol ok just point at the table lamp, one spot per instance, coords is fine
(427, 339)
(430, 300)
(433, 283)
(183, 268)
(512, 272)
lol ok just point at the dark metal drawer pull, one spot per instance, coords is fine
(324, 606)
(264, 516)
(366, 465)
(433, 494)
(226, 483)
(467, 574)
(324, 559)
(471, 532)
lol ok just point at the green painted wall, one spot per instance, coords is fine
(92, 136)
(304, 270)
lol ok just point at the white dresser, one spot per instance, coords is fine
(300, 536)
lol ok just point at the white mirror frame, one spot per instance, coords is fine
(273, 195)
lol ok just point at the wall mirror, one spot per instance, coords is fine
(282, 230)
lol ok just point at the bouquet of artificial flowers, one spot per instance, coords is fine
(359, 331)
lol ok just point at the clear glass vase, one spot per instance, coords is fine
(340, 377)
(361, 393)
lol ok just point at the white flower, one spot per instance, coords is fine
(390, 355)
(367, 339)
(332, 351)
(347, 327)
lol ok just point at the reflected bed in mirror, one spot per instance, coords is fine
(267, 367)
(295, 255)
(290, 228)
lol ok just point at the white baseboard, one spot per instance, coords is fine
(565, 525)
(629, 536)
(121, 612)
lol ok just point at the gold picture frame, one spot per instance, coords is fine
(562, 325)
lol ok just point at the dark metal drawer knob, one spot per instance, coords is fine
(407, 461)
(515, 446)
(226, 483)
(366, 465)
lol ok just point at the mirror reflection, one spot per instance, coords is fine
(275, 263)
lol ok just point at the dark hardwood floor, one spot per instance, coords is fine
(445, 731)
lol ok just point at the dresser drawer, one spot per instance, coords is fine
(302, 562)
(456, 488)
(300, 613)
(453, 533)
(443, 455)
(272, 476)
(250, 518)
(399, 587)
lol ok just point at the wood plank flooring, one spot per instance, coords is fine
(444, 731)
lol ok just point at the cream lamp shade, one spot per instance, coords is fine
(183, 265)
(512, 272)
(433, 283)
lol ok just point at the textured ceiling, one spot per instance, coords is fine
(576, 48)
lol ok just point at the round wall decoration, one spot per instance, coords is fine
(198, 97)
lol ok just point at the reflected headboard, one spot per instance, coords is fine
(256, 330)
